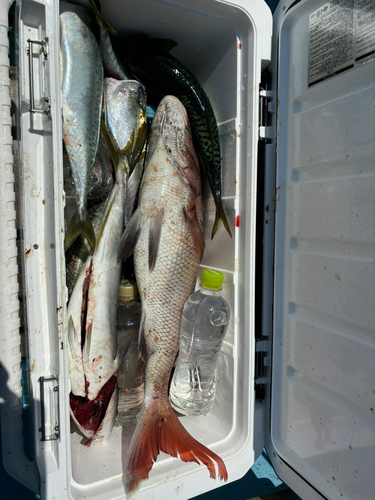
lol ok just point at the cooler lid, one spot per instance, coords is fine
(323, 397)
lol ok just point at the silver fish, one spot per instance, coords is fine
(94, 356)
(102, 178)
(125, 110)
(101, 182)
(85, 14)
(80, 250)
(166, 235)
(113, 67)
(82, 76)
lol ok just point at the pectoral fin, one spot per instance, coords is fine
(155, 224)
(87, 344)
(130, 236)
(74, 342)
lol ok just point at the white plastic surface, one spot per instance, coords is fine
(42, 222)
(224, 44)
(14, 460)
(323, 398)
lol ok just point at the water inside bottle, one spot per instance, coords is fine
(203, 326)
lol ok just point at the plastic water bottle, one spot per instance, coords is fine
(204, 323)
(130, 376)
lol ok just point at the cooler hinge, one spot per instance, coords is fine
(262, 364)
(266, 107)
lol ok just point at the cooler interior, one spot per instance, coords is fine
(217, 42)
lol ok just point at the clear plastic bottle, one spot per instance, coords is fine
(204, 324)
(130, 376)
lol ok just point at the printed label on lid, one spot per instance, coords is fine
(342, 36)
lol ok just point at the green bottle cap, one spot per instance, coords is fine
(212, 279)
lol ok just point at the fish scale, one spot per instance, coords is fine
(166, 235)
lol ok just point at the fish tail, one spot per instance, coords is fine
(95, 5)
(117, 156)
(160, 430)
(220, 215)
(80, 223)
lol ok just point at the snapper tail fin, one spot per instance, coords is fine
(160, 430)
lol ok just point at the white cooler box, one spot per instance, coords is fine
(297, 365)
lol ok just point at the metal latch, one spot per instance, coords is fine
(266, 106)
(49, 408)
(45, 53)
(262, 362)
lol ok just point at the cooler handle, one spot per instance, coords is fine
(44, 51)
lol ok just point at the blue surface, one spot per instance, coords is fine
(260, 480)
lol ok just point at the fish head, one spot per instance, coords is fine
(125, 104)
(171, 127)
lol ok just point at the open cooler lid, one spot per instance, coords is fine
(322, 438)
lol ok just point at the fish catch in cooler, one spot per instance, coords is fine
(165, 233)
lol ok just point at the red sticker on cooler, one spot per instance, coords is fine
(237, 221)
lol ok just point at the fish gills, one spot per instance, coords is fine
(166, 235)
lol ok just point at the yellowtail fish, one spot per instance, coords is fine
(125, 112)
(80, 250)
(94, 357)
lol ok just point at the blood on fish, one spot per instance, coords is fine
(90, 414)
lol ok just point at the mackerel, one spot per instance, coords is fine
(82, 88)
